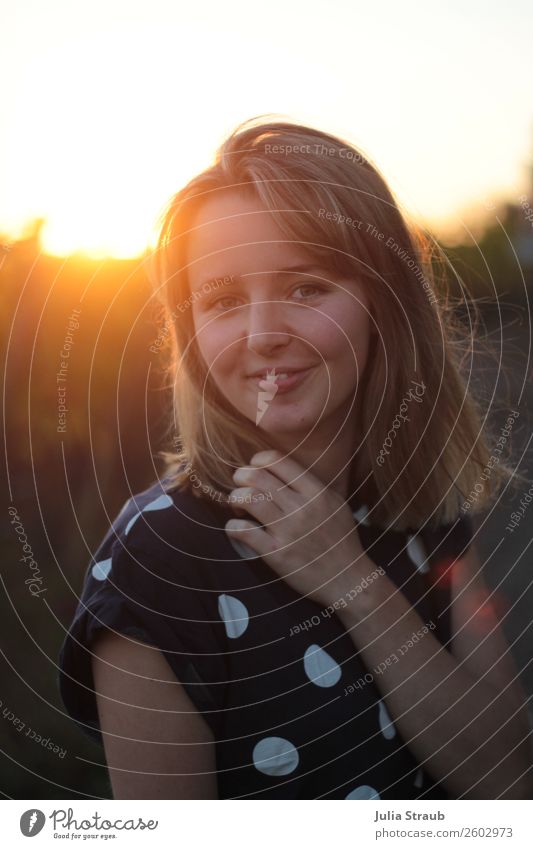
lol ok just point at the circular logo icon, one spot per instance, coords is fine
(31, 822)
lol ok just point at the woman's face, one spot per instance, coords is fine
(272, 308)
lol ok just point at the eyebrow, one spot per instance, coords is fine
(282, 272)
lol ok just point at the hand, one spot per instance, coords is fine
(310, 537)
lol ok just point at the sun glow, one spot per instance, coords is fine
(112, 106)
(110, 147)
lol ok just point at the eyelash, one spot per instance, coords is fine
(300, 286)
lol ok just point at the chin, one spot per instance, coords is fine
(284, 424)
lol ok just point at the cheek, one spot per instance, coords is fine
(343, 334)
(213, 345)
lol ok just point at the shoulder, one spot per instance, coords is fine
(163, 522)
(152, 580)
(159, 553)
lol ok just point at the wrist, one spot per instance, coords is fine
(352, 594)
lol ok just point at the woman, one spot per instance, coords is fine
(327, 438)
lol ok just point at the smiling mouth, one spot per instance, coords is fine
(282, 381)
(274, 372)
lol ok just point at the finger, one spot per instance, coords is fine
(289, 471)
(248, 498)
(250, 534)
(263, 480)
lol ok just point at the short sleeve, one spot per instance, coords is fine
(163, 602)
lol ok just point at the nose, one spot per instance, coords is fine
(267, 328)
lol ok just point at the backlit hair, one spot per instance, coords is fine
(439, 464)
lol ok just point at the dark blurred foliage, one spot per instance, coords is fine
(67, 486)
(498, 261)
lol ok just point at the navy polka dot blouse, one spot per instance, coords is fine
(272, 673)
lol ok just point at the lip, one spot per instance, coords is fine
(279, 370)
(294, 378)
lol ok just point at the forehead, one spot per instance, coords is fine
(235, 234)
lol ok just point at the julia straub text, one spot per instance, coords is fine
(407, 815)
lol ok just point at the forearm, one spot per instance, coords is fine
(457, 725)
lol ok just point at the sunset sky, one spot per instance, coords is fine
(109, 106)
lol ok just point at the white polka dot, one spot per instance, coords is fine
(419, 778)
(320, 667)
(234, 615)
(101, 570)
(160, 503)
(385, 723)
(243, 549)
(275, 756)
(361, 514)
(363, 792)
(417, 552)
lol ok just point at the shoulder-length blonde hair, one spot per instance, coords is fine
(316, 186)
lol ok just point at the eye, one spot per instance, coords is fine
(218, 301)
(227, 302)
(317, 289)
